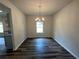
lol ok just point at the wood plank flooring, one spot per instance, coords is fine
(39, 48)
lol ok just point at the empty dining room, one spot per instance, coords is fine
(39, 29)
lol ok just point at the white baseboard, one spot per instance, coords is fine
(18, 45)
(68, 50)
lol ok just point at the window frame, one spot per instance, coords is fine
(1, 25)
(42, 25)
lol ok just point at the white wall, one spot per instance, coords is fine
(18, 20)
(31, 27)
(66, 26)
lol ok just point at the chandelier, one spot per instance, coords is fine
(40, 18)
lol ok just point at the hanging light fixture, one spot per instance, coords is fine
(40, 18)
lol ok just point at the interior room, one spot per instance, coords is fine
(39, 29)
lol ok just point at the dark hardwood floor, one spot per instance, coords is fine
(39, 48)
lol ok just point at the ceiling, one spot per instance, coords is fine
(49, 7)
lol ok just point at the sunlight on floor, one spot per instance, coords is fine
(2, 42)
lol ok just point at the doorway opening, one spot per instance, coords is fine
(6, 32)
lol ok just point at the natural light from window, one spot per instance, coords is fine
(1, 27)
(39, 27)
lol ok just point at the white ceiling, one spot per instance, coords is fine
(49, 7)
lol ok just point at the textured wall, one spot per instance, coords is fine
(66, 27)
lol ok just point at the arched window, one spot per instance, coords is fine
(39, 26)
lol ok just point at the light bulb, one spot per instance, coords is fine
(43, 19)
(37, 19)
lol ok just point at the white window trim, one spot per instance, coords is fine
(42, 30)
